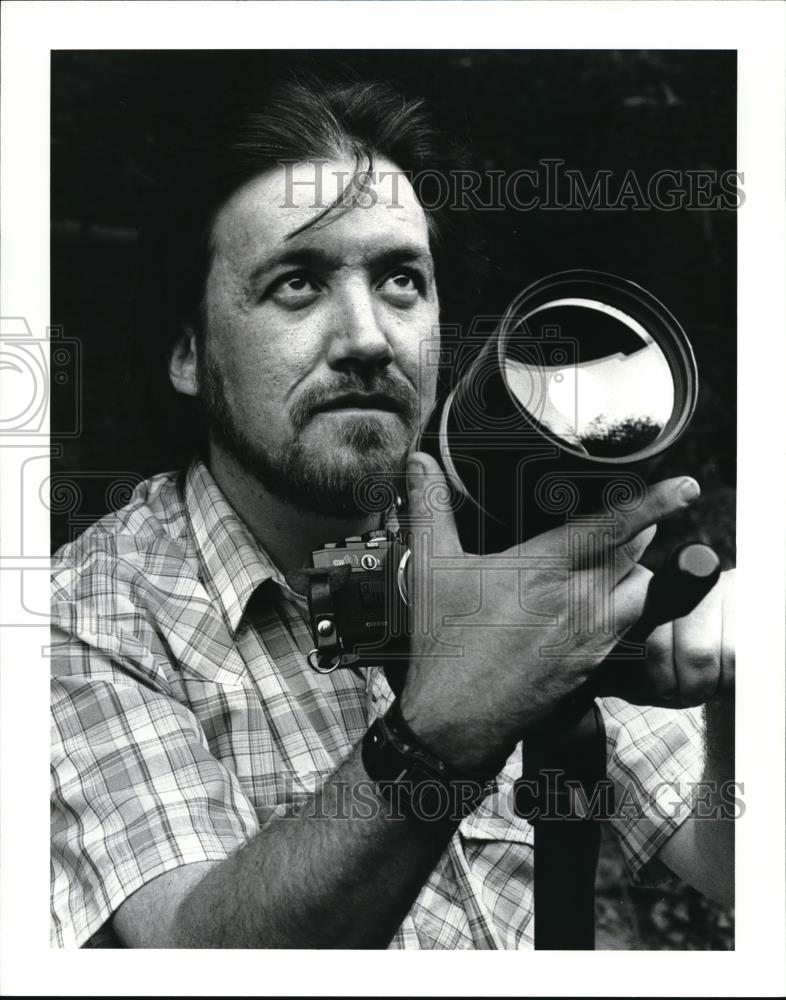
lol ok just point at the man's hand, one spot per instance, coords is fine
(500, 642)
(687, 662)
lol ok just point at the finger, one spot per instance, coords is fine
(697, 650)
(645, 674)
(595, 542)
(628, 599)
(587, 547)
(430, 514)
(661, 500)
(659, 683)
(627, 556)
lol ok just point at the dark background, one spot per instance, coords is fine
(117, 116)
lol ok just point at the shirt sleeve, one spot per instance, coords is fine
(656, 757)
(135, 791)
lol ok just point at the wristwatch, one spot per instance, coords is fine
(407, 774)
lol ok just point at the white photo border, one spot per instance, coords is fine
(31, 30)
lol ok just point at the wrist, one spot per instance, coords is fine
(407, 773)
(457, 745)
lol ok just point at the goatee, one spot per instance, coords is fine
(356, 478)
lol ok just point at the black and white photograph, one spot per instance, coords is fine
(378, 474)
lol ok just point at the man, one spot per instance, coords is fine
(200, 766)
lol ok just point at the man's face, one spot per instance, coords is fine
(310, 374)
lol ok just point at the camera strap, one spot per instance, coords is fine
(319, 586)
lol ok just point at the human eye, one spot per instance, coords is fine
(403, 286)
(294, 290)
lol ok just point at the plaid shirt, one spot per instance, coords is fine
(185, 718)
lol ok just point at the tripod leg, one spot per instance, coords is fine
(566, 844)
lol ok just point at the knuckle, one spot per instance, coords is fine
(630, 551)
(699, 659)
(628, 524)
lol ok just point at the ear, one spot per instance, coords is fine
(183, 364)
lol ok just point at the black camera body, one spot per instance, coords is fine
(358, 600)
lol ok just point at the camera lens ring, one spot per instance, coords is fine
(401, 577)
(637, 306)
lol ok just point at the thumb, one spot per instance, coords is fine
(431, 502)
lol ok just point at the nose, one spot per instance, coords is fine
(357, 338)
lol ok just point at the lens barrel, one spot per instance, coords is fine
(566, 410)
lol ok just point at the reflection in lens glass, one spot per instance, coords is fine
(592, 376)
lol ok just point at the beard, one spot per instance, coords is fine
(354, 475)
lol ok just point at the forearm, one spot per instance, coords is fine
(719, 741)
(343, 873)
(715, 835)
(702, 850)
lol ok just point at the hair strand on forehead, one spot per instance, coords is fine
(303, 120)
(346, 199)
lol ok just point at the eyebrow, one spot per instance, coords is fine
(310, 257)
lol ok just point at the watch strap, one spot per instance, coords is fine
(405, 771)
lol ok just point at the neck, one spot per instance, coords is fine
(287, 534)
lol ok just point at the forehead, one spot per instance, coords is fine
(262, 218)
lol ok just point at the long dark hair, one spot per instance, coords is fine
(300, 120)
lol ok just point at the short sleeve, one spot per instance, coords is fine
(135, 791)
(656, 757)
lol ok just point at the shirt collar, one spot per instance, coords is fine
(232, 560)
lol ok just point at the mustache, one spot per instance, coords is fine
(401, 394)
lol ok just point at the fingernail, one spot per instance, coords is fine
(689, 490)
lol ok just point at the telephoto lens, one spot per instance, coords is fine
(566, 409)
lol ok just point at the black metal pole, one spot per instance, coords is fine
(573, 756)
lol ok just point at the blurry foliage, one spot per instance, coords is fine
(669, 917)
(619, 439)
(116, 116)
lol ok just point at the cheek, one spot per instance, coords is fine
(256, 364)
(428, 371)
(418, 354)
(255, 382)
